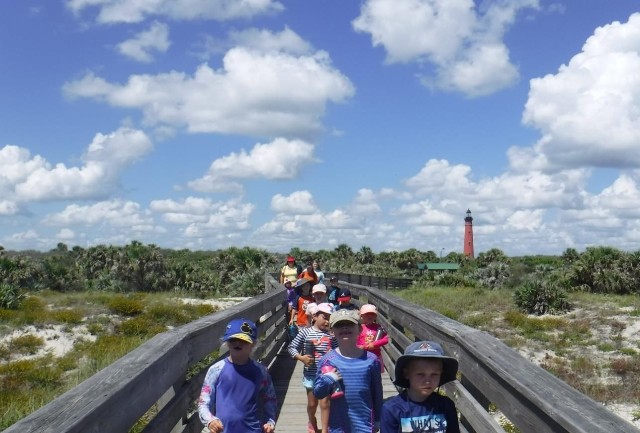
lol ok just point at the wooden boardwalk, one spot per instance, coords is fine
(286, 373)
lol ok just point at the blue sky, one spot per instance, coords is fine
(205, 124)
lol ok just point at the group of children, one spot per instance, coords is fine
(340, 348)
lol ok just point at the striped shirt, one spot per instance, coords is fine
(313, 342)
(360, 407)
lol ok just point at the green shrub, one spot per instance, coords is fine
(142, 326)
(10, 296)
(33, 303)
(125, 306)
(172, 315)
(26, 344)
(537, 296)
(72, 317)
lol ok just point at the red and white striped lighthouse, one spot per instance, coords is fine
(468, 235)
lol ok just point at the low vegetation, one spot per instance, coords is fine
(31, 376)
(566, 312)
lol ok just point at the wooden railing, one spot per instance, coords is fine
(490, 373)
(161, 379)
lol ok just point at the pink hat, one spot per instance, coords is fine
(325, 307)
(312, 307)
(368, 308)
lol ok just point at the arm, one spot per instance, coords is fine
(296, 346)
(389, 422)
(324, 382)
(382, 340)
(269, 401)
(207, 400)
(376, 389)
(294, 309)
(451, 415)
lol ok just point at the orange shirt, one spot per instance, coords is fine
(301, 309)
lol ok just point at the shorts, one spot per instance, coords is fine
(307, 382)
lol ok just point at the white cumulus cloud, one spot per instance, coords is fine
(143, 44)
(278, 160)
(587, 112)
(464, 44)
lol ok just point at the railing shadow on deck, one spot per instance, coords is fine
(161, 379)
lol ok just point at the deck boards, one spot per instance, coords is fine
(287, 379)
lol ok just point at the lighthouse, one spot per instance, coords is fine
(468, 235)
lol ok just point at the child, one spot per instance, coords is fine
(344, 300)
(333, 291)
(356, 372)
(373, 336)
(302, 299)
(237, 389)
(308, 347)
(319, 293)
(420, 408)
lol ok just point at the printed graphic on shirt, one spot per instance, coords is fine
(435, 423)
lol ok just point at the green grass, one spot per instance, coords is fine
(119, 323)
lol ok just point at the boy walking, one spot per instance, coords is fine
(420, 408)
(356, 372)
(237, 395)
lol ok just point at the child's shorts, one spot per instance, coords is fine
(307, 382)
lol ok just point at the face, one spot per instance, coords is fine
(423, 376)
(315, 265)
(345, 330)
(239, 350)
(368, 318)
(319, 297)
(305, 288)
(322, 321)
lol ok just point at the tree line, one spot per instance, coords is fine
(240, 271)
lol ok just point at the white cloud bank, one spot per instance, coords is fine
(24, 178)
(287, 98)
(134, 11)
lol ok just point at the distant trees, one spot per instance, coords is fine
(240, 271)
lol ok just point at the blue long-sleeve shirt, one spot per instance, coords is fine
(241, 396)
(360, 407)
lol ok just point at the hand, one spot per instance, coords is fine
(268, 428)
(215, 426)
(307, 360)
(370, 346)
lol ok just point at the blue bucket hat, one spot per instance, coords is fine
(242, 329)
(425, 350)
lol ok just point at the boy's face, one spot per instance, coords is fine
(423, 376)
(319, 297)
(345, 331)
(322, 321)
(239, 350)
